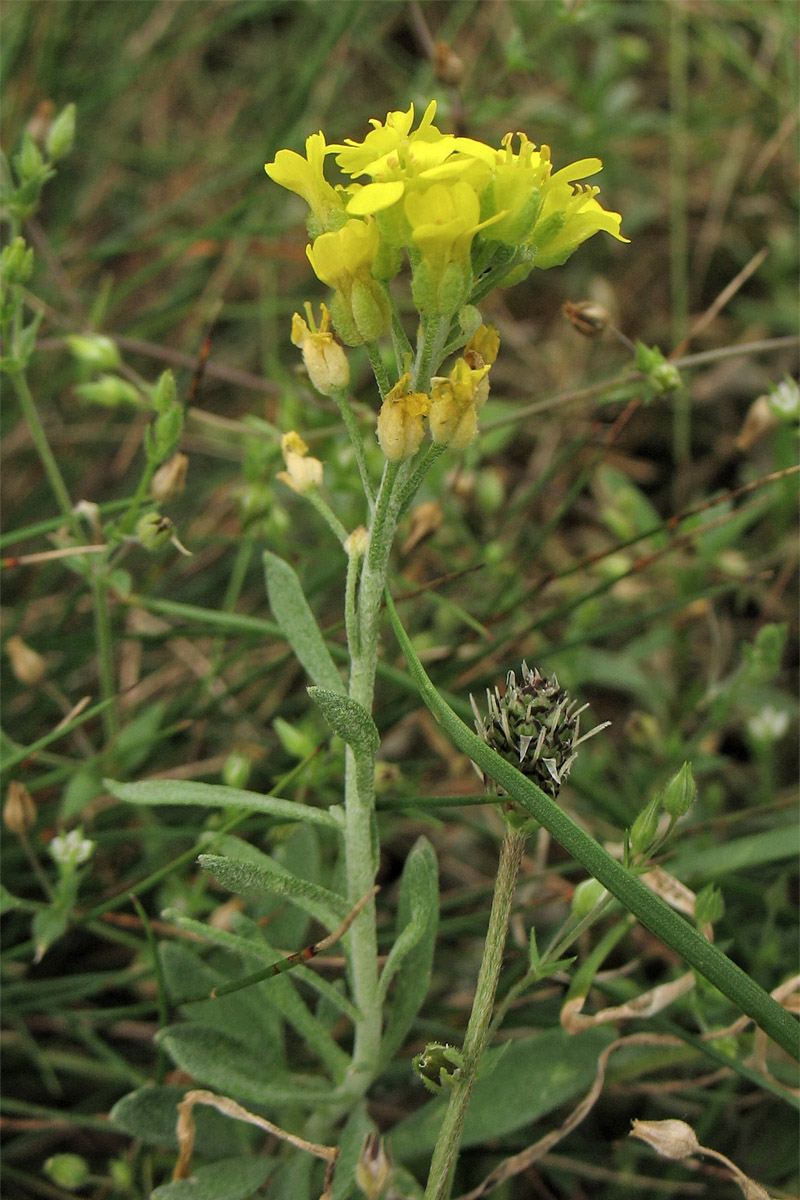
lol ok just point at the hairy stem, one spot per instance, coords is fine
(445, 1153)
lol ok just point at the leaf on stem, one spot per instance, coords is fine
(298, 624)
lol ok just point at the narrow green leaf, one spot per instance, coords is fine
(229, 1179)
(210, 795)
(411, 955)
(291, 611)
(267, 877)
(347, 718)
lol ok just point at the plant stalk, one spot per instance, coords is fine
(445, 1154)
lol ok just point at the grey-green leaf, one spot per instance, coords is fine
(209, 795)
(223, 1063)
(246, 877)
(291, 610)
(347, 718)
(150, 1114)
(411, 956)
(229, 1179)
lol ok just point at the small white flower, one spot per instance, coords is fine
(71, 849)
(768, 725)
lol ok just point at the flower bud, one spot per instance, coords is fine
(95, 350)
(438, 1065)
(28, 666)
(355, 544)
(708, 906)
(400, 421)
(587, 894)
(19, 810)
(784, 400)
(109, 391)
(16, 262)
(671, 1138)
(664, 376)
(680, 793)
(236, 769)
(61, 135)
(69, 1171)
(169, 480)
(645, 827)
(153, 530)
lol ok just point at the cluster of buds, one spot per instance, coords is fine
(451, 408)
(535, 726)
(456, 206)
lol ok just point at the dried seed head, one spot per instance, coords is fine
(374, 1168)
(535, 726)
(28, 666)
(670, 1138)
(19, 810)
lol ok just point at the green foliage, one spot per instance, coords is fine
(539, 1074)
(228, 1179)
(638, 550)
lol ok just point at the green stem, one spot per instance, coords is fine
(446, 1150)
(329, 517)
(57, 485)
(359, 835)
(103, 640)
(339, 396)
(435, 331)
(378, 369)
(102, 623)
(649, 908)
(431, 456)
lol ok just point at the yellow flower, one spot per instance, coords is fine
(303, 471)
(566, 219)
(344, 259)
(347, 253)
(444, 220)
(456, 399)
(400, 421)
(324, 359)
(305, 176)
(391, 146)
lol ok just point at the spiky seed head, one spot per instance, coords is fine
(535, 725)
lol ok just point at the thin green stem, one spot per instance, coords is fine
(435, 331)
(105, 660)
(54, 477)
(342, 402)
(329, 517)
(359, 835)
(649, 908)
(431, 456)
(446, 1150)
(378, 368)
(102, 622)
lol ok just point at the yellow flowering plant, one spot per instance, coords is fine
(465, 217)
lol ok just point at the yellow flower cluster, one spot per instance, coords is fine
(449, 202)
